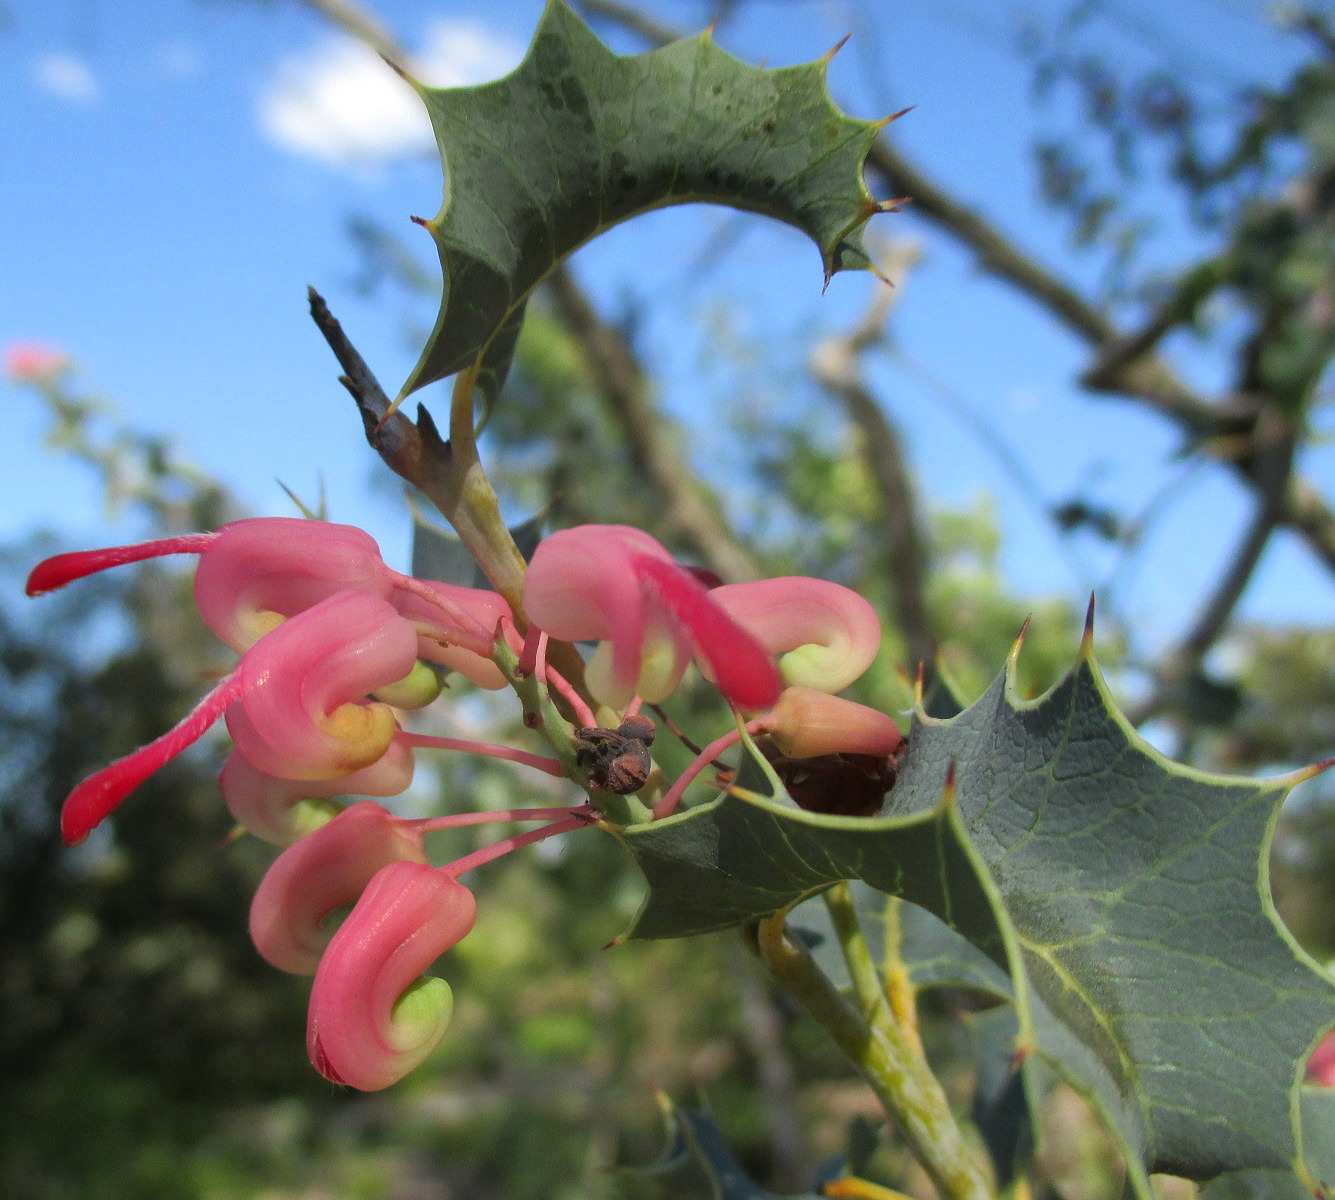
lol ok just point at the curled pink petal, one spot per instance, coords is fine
(252, 573)
(458, 629)
(323, 872)
(264, 568)
(300, 715)
(580, 586)
(272, 808)
(738, 662)
(97, 796)
(372, 1017)
(826, 634)
(806, 723)
(616, 585)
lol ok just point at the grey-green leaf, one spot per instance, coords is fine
(578, 139)
(1125, 896)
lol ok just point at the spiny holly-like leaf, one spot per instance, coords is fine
(1318, 1123)
(1126, 897)
(578, 138)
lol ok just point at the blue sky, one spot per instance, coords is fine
(177, 171)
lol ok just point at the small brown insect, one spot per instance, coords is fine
(618, 759)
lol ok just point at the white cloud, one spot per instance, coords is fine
(339, 102)
(67, 77)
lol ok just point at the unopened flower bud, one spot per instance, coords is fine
(806, 723)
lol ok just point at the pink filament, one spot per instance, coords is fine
(471, 862)
(509, 753)
(668, 803)
(489, 817)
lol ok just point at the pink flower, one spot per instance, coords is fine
(807, 723)
(301, 714)
(294, 705)
(1321, 1066)
(253, 573)
(826, 634)
(323, 872)
(617, 586)
(373, 1018)
(280, 811)
(31, 362)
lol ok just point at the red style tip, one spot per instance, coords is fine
(57, 571)
(92, 801)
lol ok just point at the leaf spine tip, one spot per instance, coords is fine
(828, 57)
(1303, 774)
(894, 116)
(918, 684)
(1019, 639)
(1021, 1054)
(1087, 638)
(948, 787)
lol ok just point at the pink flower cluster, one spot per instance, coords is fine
(332, 642)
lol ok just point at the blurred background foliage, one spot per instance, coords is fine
(149, 1052)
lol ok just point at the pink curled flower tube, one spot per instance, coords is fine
(323, 872)
(806, 723)
(279, 811)
(301, 715)
(372, 1017)
(825, 634)
(291, 705)
(252, 573)
(618, 586)
(457, 628)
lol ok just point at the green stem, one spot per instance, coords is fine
(861, 968)
(908, 1091)
(450, 473)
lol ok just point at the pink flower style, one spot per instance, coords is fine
(330, 637)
